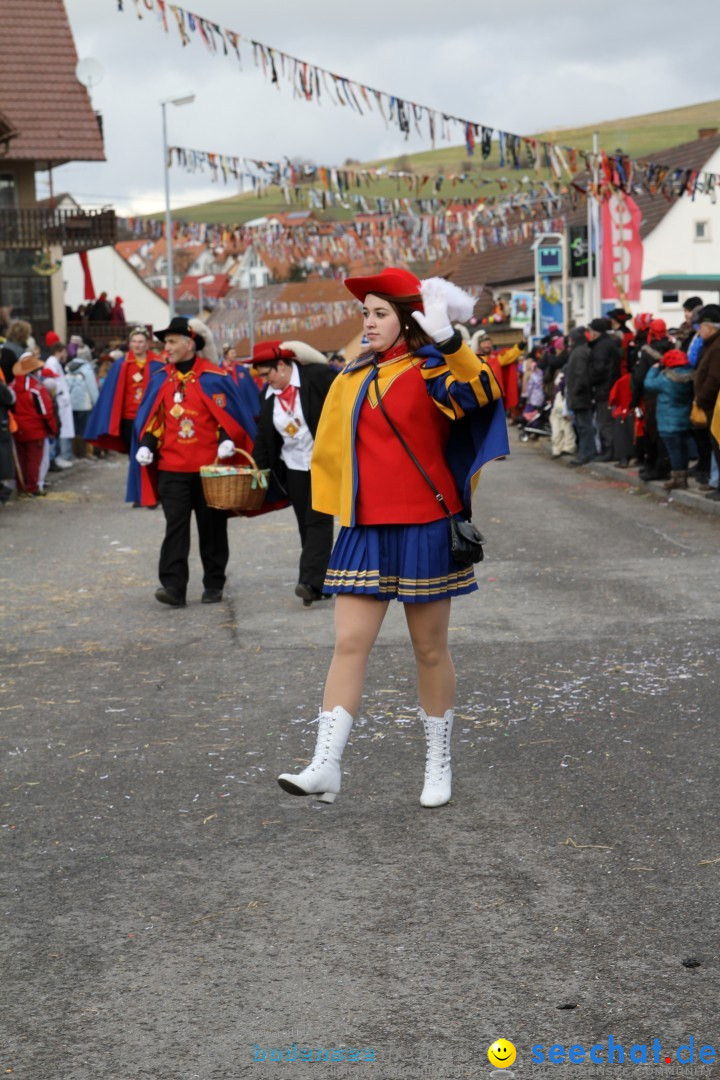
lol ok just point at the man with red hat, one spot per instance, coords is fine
(297, 378)
(35, 418)
(193, 412)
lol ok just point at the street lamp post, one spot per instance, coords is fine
(207, 280)
(168, 220)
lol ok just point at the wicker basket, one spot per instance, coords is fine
(234, 487)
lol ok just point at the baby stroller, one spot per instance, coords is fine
(534, 423)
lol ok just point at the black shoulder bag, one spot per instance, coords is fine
(466, 541)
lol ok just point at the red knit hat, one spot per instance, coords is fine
(674, 358)
(393, 281)
(643, 320)
(51, 339)
(657, 330)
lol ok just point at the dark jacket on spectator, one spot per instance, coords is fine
(648, 355)
(606, 356)
(578, 381)
(707, 377)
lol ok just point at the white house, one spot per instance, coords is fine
(681, 253)
(681, 246)
(250, 263)
(113, 274)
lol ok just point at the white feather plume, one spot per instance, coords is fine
(209, 351)
(476, 339)
(304, 353)
(460, 304)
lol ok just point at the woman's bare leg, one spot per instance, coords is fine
(428, 625)
(357, 623)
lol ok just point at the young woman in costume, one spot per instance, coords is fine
(419, 388)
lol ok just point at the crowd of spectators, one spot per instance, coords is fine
(627, 390)
(46, 395)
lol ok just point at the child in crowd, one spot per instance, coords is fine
(36, 420)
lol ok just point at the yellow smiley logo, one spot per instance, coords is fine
(501, 1054)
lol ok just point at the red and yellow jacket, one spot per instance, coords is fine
(461, 386)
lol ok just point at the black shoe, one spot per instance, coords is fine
(649, 475)
(605, 457)
(623, 463)
(309, 594)
(580, 461)
(166, 595)
(714, 496)
(212, 596)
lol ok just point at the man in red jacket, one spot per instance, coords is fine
(35, 418)
(111, 421)
(192, 413)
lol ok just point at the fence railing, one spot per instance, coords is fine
(73, 230)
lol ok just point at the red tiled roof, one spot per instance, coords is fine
(126, 248)
(188, 287)
(41, 97)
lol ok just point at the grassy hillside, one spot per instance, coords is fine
(635, 135)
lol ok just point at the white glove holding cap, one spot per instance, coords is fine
(442, 302)
(226, 449)
(144, 455)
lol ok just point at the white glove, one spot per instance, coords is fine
(144, 455)
(226, 449)
(442, 302)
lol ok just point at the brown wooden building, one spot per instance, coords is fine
(46, 120)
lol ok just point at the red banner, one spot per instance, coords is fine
(622, 252)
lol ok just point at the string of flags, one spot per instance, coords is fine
(391, 239)
(313, 83)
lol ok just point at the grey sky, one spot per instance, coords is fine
(520, 66)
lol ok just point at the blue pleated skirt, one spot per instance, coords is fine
(410, 563)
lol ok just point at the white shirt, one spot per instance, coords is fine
(67, 422)
(297, 448)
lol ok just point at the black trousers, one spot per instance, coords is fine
(180, 495)
(704, 448)
(316, 530)
(126, 429)
(604, 420)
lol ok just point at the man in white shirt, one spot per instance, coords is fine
(297, 379)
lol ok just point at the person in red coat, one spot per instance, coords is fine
(193, 412)
(623, 420)
(110, 423)
(36, 420)
(504, 364)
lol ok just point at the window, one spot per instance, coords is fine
(670, 298)
(7, 191)
(702, 231)
(579, 295)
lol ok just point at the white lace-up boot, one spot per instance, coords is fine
(322, 776)
(438, 774)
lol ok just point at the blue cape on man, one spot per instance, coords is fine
(103, 423)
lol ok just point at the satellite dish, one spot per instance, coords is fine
(89, 72)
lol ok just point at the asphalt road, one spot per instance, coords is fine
(169, 913)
